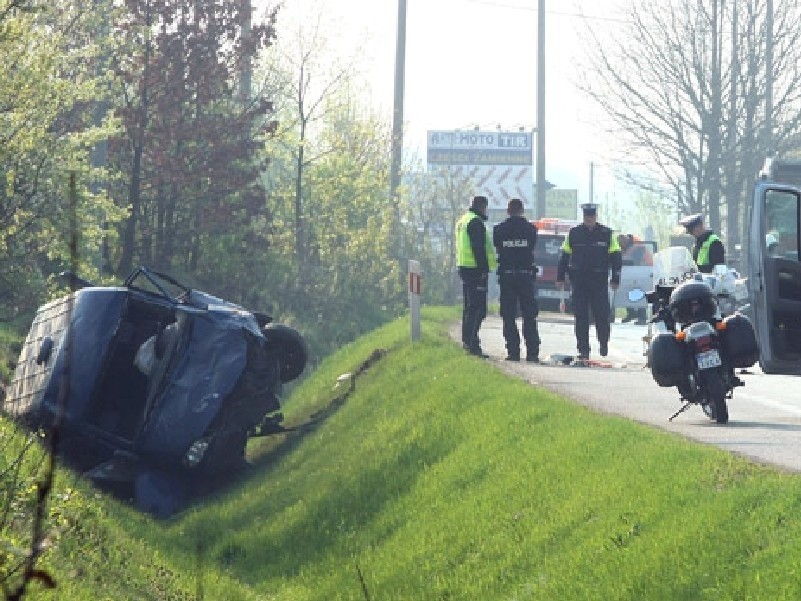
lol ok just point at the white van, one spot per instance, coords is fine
(637, 273)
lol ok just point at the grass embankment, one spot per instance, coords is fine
(441, 478)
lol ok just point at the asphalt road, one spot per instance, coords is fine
(764, 415)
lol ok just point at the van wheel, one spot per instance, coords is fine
(291, 349)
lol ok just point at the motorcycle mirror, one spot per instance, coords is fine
(636, 295)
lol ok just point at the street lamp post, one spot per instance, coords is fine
(397, 113)
(541, 109)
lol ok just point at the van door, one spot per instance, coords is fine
(774, 276)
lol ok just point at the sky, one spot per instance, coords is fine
(473, 63)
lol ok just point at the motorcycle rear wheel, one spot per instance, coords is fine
(716, 396)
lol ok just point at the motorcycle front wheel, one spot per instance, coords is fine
(716, 395)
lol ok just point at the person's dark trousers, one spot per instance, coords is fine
(589, 294)
(474, 291)
(517, 289)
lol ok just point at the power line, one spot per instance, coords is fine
(549, 12)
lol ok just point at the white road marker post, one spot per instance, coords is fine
(415, 289)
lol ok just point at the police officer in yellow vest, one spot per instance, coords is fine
(590, 251)
(708, 250)
(475, 257)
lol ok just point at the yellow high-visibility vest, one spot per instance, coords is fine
(464, 251)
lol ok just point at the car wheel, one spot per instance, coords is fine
(291, 349)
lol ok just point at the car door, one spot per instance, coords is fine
(774, 275)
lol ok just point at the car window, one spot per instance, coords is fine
(639, 254)
(548, 249)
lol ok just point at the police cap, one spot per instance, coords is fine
(589, 208)
(691, 221)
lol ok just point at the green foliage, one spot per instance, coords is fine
(349, 279)
(47, 91)
(430, 205)
(190, 129)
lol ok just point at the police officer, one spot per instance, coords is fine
(475, 257)
(515, 239)
(708, 250)
(588, 252)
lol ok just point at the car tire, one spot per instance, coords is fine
(292, 350)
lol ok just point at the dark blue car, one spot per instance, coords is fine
(153, 384)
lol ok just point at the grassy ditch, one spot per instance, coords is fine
(438, 477)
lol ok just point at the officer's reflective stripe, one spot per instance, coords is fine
(566, 245)
(614, 245)
(703, 252)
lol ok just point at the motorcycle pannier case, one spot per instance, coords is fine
(739, 341)
(666, 358)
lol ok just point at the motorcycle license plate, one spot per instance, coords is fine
(708, 359)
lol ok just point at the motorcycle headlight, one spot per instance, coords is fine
(194, 455)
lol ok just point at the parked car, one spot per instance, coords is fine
(551, 234)
(152, 386)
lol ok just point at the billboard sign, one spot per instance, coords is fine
(498, 163)
(561, 203)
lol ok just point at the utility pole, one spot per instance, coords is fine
(769, 79)
(541, 108)
(592, 181)
(397, 113)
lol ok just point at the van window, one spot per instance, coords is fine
(782, 224)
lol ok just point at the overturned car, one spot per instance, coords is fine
(151, 386)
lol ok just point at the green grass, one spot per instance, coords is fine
(11, 337)
(441, 478)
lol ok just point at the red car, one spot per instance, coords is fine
(550, 237)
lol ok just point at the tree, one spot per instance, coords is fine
(46, 91)
(187, 154)
(431, 204)
(349, 280)
(685, 90)
(307, 81)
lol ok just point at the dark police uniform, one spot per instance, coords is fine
(588, 255)
(515, 240)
